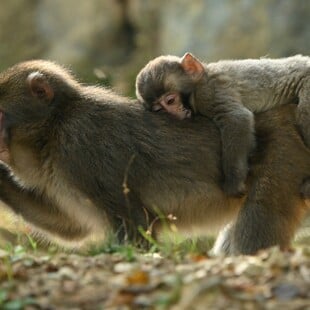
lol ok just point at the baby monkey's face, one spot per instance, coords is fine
(171, 102)
(166, 84)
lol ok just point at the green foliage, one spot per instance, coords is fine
(14, 304)
(127, 251)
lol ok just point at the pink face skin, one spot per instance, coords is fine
(172, 103)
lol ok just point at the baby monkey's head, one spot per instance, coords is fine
(167, 82)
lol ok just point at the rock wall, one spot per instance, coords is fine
(117, 37)
(235, 29)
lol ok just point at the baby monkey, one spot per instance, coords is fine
(228, 92)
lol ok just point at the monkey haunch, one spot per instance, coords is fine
(228, 92)
(73, 149)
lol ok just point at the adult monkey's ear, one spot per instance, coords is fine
(192, 66)
(40, 87)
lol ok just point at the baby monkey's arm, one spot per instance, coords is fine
(236, 125)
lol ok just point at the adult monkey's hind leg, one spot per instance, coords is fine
(274, 206)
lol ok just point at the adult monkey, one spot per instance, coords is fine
(87, 161)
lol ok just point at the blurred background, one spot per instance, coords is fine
(108, 41)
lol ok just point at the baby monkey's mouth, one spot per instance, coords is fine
(188, 113)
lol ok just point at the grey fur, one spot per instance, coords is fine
(230, 92)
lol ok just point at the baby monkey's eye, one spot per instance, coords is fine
(156, 107)
(170, 99)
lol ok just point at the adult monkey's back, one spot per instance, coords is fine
(77, 150)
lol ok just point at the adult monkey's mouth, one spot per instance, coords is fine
(4, 151)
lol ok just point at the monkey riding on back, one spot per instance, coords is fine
(82, 163)
(228, 92)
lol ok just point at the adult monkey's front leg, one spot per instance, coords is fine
(37, 209)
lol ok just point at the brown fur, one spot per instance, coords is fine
(73, 153)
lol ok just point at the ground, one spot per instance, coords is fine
(127, 279)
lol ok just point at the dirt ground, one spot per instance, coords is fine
(271, 280)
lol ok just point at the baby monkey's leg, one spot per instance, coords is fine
(236, 124)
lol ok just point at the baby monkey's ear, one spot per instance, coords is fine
(192, 66)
